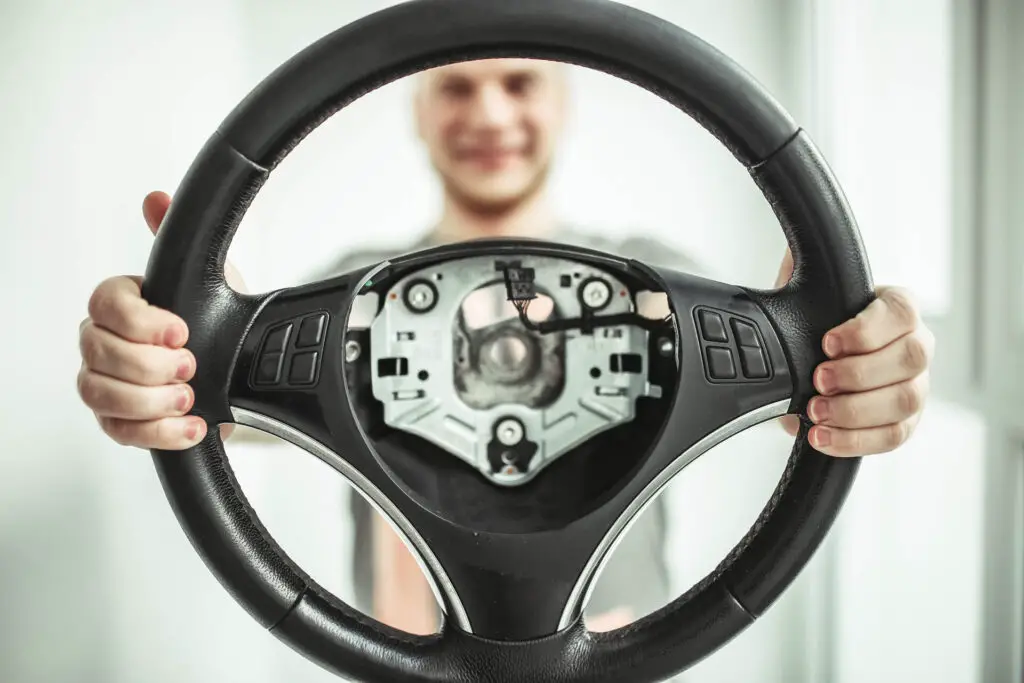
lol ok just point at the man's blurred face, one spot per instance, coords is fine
(491, 127)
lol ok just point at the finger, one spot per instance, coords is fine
(785, 269)
(890, 316)
(847, 443)
(610, 620)
(107, 354)
(117, 306)
(875, 408)
(169, 433)
(790, 424)
(234, 278)
(154, 208)
(901, 360)
(110, 397)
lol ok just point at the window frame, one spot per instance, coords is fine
(981, 335)
(999, 324)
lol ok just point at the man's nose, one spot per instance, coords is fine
(493, 107)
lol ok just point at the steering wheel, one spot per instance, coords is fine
(511, 538)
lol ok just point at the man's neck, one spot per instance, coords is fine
(530, 218)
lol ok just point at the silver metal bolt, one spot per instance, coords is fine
(352, 351)
(596, 293)
(510, 432)
(421, 297)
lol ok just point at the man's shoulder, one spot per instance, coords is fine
(634, 245)
(638, 246)
(361, 258)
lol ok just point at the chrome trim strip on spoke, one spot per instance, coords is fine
(439, 582)
(584, 587)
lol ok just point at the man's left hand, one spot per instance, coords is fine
(874, 384)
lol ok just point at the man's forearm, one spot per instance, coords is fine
(401, 595)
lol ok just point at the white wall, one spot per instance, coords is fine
(103, 101)
(909, 547)
(106, 100)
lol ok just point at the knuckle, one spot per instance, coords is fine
(144, 368)
(847, 412)
(88, 389)
(117, 430)
(897, 434)
(103, 302)
(856, 375)
(858, 333)
(80, 384)
(927, 340)
(848, 441)
(164, 435)
(902, 305)
(910, 398)
(93, 353)
(915, 353)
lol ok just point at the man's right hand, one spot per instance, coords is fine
(135, 369)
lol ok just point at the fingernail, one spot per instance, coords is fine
(185, 370)
(833, 345)
(181, 404)
(192, 430)
(174, 337)
(821, 437)
(818, 409)
(826, 380)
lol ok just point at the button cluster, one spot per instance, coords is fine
(732, 347)
(290, 354)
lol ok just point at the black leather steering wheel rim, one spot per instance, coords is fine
(831, 282)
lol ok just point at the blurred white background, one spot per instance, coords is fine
(911, 101)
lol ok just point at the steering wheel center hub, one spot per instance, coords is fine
(508, 356)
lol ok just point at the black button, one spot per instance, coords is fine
(277, 339)
(753, 363)
(268, 370)
(720, 363)
(712, 327)
(311, 331)
(745, 334)
(303, 369)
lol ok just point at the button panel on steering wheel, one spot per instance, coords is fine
(722, 344)
(289, 359)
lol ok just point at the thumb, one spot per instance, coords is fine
(154, 208)
(785, 270)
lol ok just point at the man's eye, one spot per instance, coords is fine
(519, 84)
(456, 89)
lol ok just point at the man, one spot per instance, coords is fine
(491, 129)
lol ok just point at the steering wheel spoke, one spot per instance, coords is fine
(289, 380)
(733, 370)
(288, 362)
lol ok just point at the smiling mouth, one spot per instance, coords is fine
(491, 155)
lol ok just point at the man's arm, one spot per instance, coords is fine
(654, 305)
(401, 595)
